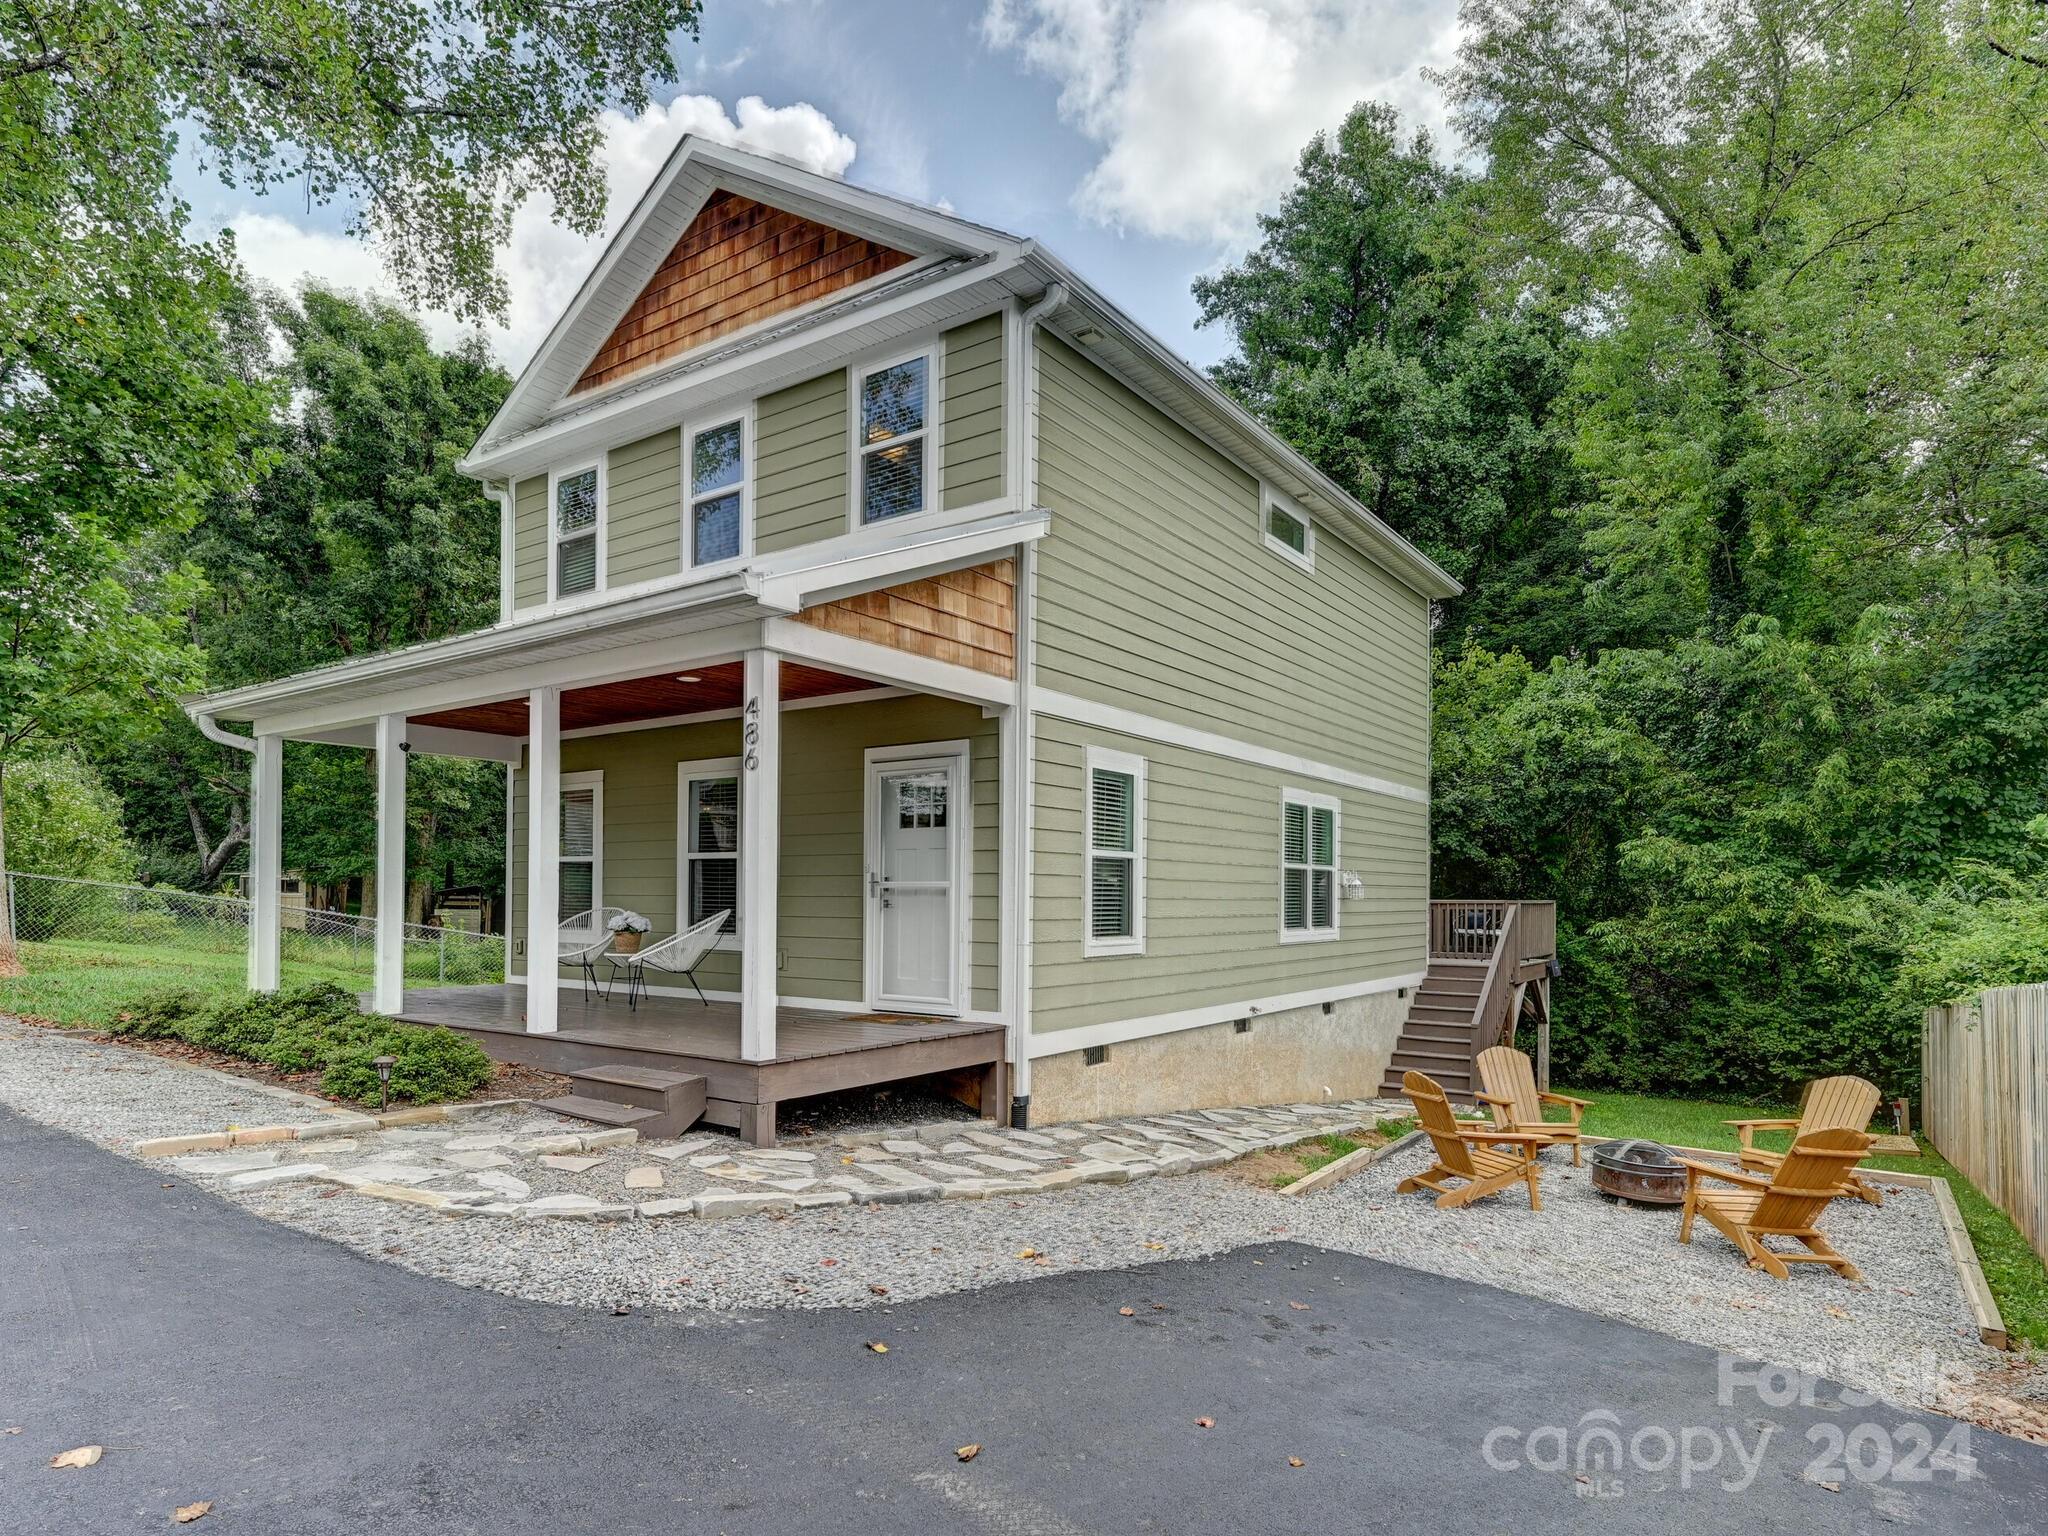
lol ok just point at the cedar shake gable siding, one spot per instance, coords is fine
(739, 262)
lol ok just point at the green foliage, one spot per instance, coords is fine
(316, 1028)
(61, 820)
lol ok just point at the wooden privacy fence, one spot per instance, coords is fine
(1984, 1098)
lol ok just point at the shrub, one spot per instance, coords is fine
(316, 1028)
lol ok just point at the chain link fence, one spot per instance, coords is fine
(58, 921)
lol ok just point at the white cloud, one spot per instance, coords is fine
(545, 263)
(1201, 107)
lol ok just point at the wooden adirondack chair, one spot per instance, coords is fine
(1829, 1103)
(1787, 1204)
(1517, 1105)
(1467, 1152)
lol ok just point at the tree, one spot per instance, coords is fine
(65, 821)
(360, 535)
(1370, 338)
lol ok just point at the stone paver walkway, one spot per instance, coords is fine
(517, 1159)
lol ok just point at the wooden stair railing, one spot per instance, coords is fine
(1484, 956)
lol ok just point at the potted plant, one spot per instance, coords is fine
(628, 928)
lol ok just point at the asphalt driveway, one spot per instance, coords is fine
(304, 1389)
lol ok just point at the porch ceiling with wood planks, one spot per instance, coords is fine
(696, 691)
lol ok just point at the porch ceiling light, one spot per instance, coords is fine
(688, 677)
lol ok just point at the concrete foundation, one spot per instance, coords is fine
(1301, 1056)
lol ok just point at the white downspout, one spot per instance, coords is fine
(1021, 766)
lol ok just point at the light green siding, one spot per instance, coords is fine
(1157, 594)
(972, 441)
(1212, 887)
(800, 471)
(530, 542)
(643, 494)
(823, 857)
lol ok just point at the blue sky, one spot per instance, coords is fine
(1137, 138)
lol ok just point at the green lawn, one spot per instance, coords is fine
(2017, 1277)
(76, 982)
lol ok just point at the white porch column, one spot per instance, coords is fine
(266, 861)
(543, 856)
(388, 994)
(760, 849)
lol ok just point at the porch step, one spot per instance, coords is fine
(603, 1111)
(675, 1100)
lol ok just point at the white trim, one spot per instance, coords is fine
(1310, 802)
(591, 779)
(1059, 1042)
(1111, 717)
(266, 863)
(511, 820)
(555, 478)
(1270, 501)
(1133, 767)
(686, 772)
(508, 521)
(956, 757)
(543, 847)
(931, 350)
(690, 431)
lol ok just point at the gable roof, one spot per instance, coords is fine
(577, 377)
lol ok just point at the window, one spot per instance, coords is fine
(576, 535)
(1114, 923)
(893, 438)
(708, 842)
(715, 527)
(580, 867)
(1288, 531)
(1308, 866)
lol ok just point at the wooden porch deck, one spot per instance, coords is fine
(816, 1052)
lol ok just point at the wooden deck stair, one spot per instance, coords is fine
(653, 1101)
(1488, 960)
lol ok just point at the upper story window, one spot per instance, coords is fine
(576, 531)
(1115, 919)
(715, 528)
(1308, 866)
(894, 437)
(1288, 531)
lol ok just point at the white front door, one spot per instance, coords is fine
(916, 842)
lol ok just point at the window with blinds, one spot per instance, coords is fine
(582, 842)
(1114, 923)
(1308, 866)
(712, 849)
(895, 439)
(577, 515)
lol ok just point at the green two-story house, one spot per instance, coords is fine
(1024, 711)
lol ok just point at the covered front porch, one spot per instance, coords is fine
(817, 1051)
(829, 752)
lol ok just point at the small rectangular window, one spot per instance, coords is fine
(1308, 866)
(581, 852)
(894, 432)
(1288, 532)
(709, 845)
(718, 489)
(578, 515)
(1114, 923)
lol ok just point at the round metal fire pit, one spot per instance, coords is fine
(1645, 1172)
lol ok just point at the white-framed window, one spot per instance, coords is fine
(580, 862)
(576, 530)
(718, 492)
(895, 408)
(1114, 895)
(1287, 529)
(1309, 842)
(708, 843)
